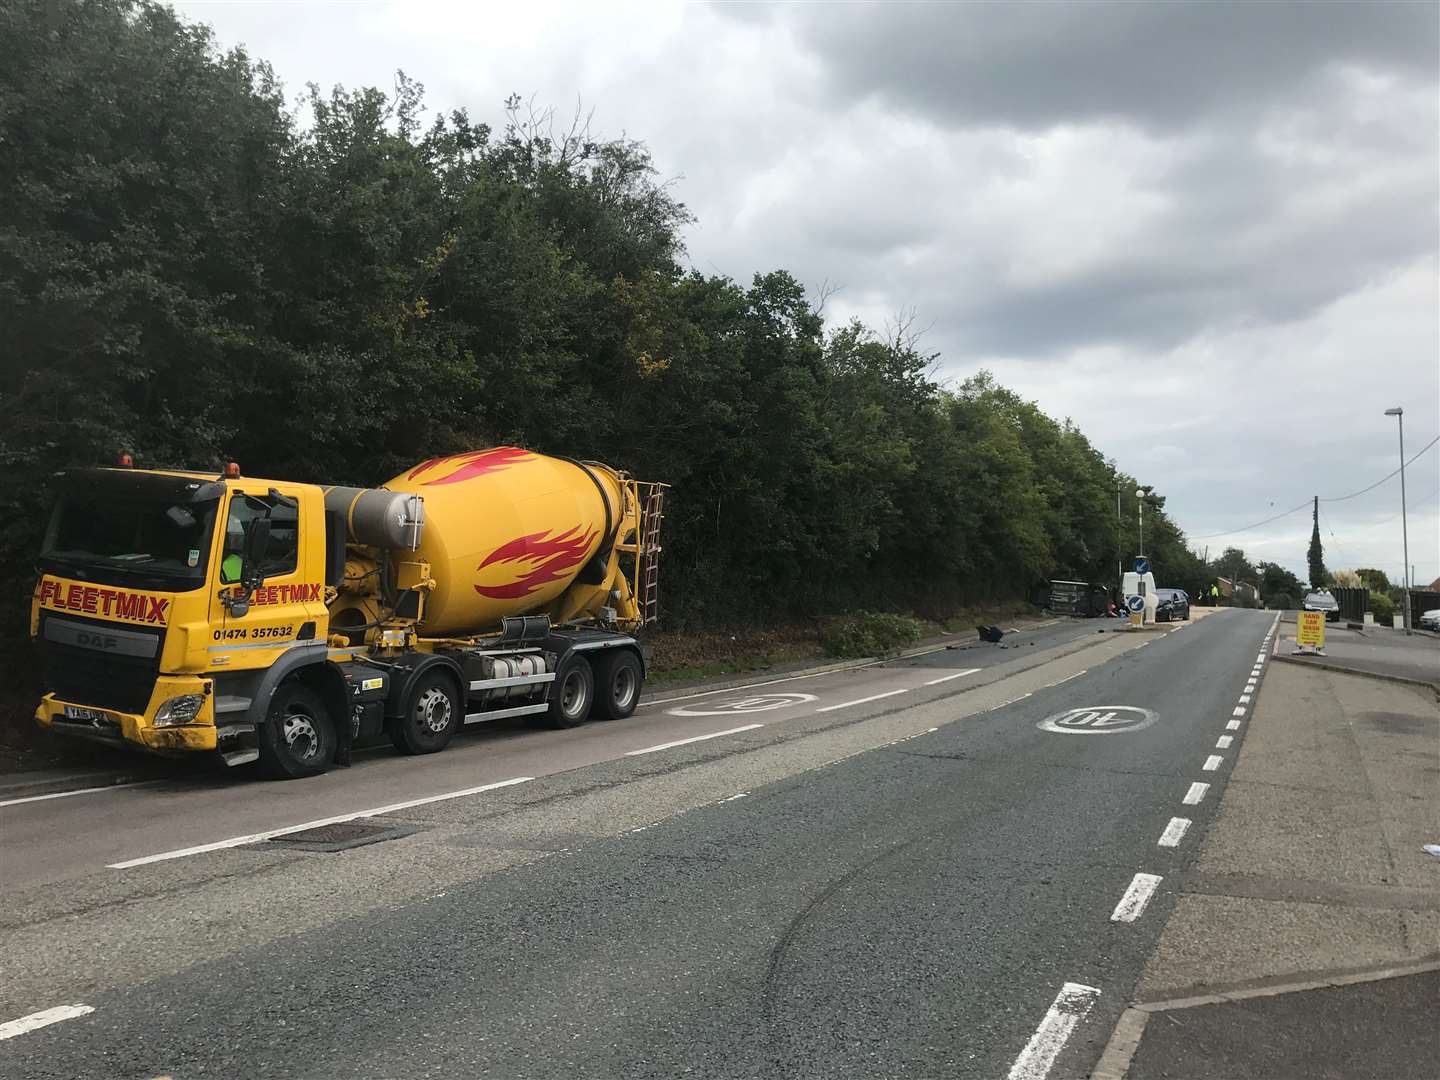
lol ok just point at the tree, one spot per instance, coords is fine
(1279, 588)
(1377, 581)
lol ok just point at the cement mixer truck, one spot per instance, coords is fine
(279, 622)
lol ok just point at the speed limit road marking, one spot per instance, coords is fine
(740, 706)
(1099, 720)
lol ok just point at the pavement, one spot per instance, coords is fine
(1376, 650)
(1305, 940)
(955, 864)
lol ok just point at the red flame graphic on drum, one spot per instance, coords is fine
(550, 558)
(475, 463)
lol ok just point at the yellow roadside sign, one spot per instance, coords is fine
(1311, 630)
(1135, 618)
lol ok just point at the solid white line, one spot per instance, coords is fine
(1071, 1006)
(1223, 743)
(1239, 711)
(1232, 725)
(1244, 699)
(1174, 831)
(11, 1028)
(1212, 763)
(863, 700)
(77, 791)
(1132, 904)
(693, 738)
(1195, 794)
(732, 798)
(1067, 678)
(253, 838)
(957, 675)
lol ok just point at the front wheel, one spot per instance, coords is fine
(573, 691)
(298, 736)
(431, 717)
(617, 684)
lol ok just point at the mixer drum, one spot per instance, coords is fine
(506, 531)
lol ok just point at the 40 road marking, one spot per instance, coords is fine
(737, 706)
(1098, 720)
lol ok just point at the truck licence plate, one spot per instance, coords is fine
(76, 712)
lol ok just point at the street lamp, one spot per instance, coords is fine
(1399, 415)
(1140, 507)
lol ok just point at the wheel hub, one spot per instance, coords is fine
(300, 735)
(433, 710)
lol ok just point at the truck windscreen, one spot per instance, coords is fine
(130, 539)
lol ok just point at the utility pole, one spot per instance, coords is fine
(1399, 415)
(1119, 558)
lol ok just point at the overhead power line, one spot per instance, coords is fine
(1389, 476)
(1306, 503)
(1247, 528)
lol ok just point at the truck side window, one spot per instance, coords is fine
(280, 553)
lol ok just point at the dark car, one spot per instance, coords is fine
(1171, 605)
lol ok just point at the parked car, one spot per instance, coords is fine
(1322, 600)
(1172, 605)
(1430, 620)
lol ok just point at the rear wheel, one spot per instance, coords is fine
(574, 690)
(431, 717)
(617, 684)
(298, 736)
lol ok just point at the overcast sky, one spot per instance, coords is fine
(1207, 231)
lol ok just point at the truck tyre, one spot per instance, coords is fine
(617, 684)
(298, 736)
(574, 690)
(431, 717)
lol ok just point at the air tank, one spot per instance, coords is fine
(506, 531)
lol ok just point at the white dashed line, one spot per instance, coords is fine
(1174, 831)
(1071, 1005)
(1212, 763)
(1067, 678)
(957, 675)
(1195, 794)
(1260, 658)
(1244, 699)
(45, 1018)
(732, 798)
(255, 838)
(692, 739)
(1232, 725)
(1223, 743)
(1239, 711)
(863, 700)
(77, 791)
(1250, 687)
(1132, 904)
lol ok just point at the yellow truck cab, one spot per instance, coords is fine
(138, 614)
(183, 612)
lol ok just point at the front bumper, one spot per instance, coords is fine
(114, 728)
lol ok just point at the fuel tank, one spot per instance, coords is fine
(507, 531)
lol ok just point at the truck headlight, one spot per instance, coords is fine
(179, 710)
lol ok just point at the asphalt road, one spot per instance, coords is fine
(202, 805)
(922, 884)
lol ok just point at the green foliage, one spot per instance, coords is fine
(1382, 607)
(1279, 588)
(189, 274)
(869, 633)
(1377, 581)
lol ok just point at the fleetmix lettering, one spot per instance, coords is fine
(104, 601)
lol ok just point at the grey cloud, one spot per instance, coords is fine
(1158, 65)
